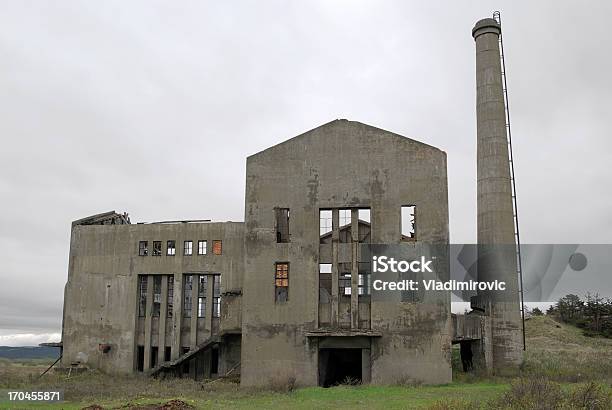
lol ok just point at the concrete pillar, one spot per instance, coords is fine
(354, 269)
(495, 223)
(148, 322)
(335, 290)
(163, 314)
(177, 315)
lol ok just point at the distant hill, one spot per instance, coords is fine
(29, 352)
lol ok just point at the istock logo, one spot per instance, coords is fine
(384, 264)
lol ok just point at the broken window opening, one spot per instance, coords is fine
(281, 282)
(216, 296)
(142, 299)
(202, 287)
(282, 225)
(364, 225)
(325, 223)
(188, 248)
(157, 282)
(364, 280)
(217, 247)
(201, 247)
(171, 248)
(325, 282)
(187, 302)
(157, 251)
(167, 353)
(143, 248)
(345, 228)
(344, 279)
(153, 357)
(170, 300)
(408, 222)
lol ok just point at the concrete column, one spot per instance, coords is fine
(335, 290)
(193, 331)
(177, 315)
(209, 303)
(148, 321)
(354, 269)
(495, 223)
(163, 314)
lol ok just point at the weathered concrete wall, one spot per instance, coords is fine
(338, 165)
(494, 202)
(101, 295)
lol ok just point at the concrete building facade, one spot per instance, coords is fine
(286, 294)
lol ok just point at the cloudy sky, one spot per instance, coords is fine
(151, 107)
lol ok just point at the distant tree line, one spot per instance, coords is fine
(593, 314)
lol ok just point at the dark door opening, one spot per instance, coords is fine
(214, 361)
(339, 366)
(140, 359)
(466, 355)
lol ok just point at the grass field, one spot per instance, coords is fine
(559, 365)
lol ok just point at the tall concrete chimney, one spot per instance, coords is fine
(495, 224)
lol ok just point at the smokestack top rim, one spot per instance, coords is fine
(487, 25)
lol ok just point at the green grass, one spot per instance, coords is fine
(555, 352)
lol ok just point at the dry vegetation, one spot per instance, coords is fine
(563, 369)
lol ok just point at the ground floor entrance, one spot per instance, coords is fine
(343, 360)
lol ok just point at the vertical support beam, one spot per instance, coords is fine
(163, 314)
(366, 366)
(354, 269)
(148, 321)
(193, 327)
(209, 304)
(335, 290)
(177, 315)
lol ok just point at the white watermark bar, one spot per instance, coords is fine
(30, 396)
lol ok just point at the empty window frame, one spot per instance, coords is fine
(281, 282)
(171, 249)
(282, 225)
(325, 282)
(202, 247)
(325, 223)
(157, 249)
(142, 295)
(408, 223)
(344, 217)
(188, 248)
(216, 296)
(365, 225)
(364, 284)
(217, 247)
(170, 300)
(344, 279)
(345, 226)
(157, 283)
(187, 301)
(202, 289)
(143, 248)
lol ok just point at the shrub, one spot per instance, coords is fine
(590, 396)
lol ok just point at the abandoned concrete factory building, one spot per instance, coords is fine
(286, 293)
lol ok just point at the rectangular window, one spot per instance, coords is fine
(143, 248)
(345, 217)
(202, 288)
(364, 225)
(217, 247)
(201, 247)
(157, 248)
(157, 282)
(325, 282)
(187, 302)
(170, 301)
(217, 296)
(408, 223)
(325, 225)
(344, 279)
(345, 227)
(365, 270)
(142, 296)
(171, 248)
(187, 248)
(281, 282)
(282, 225)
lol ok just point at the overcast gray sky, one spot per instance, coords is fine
(151, 108)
